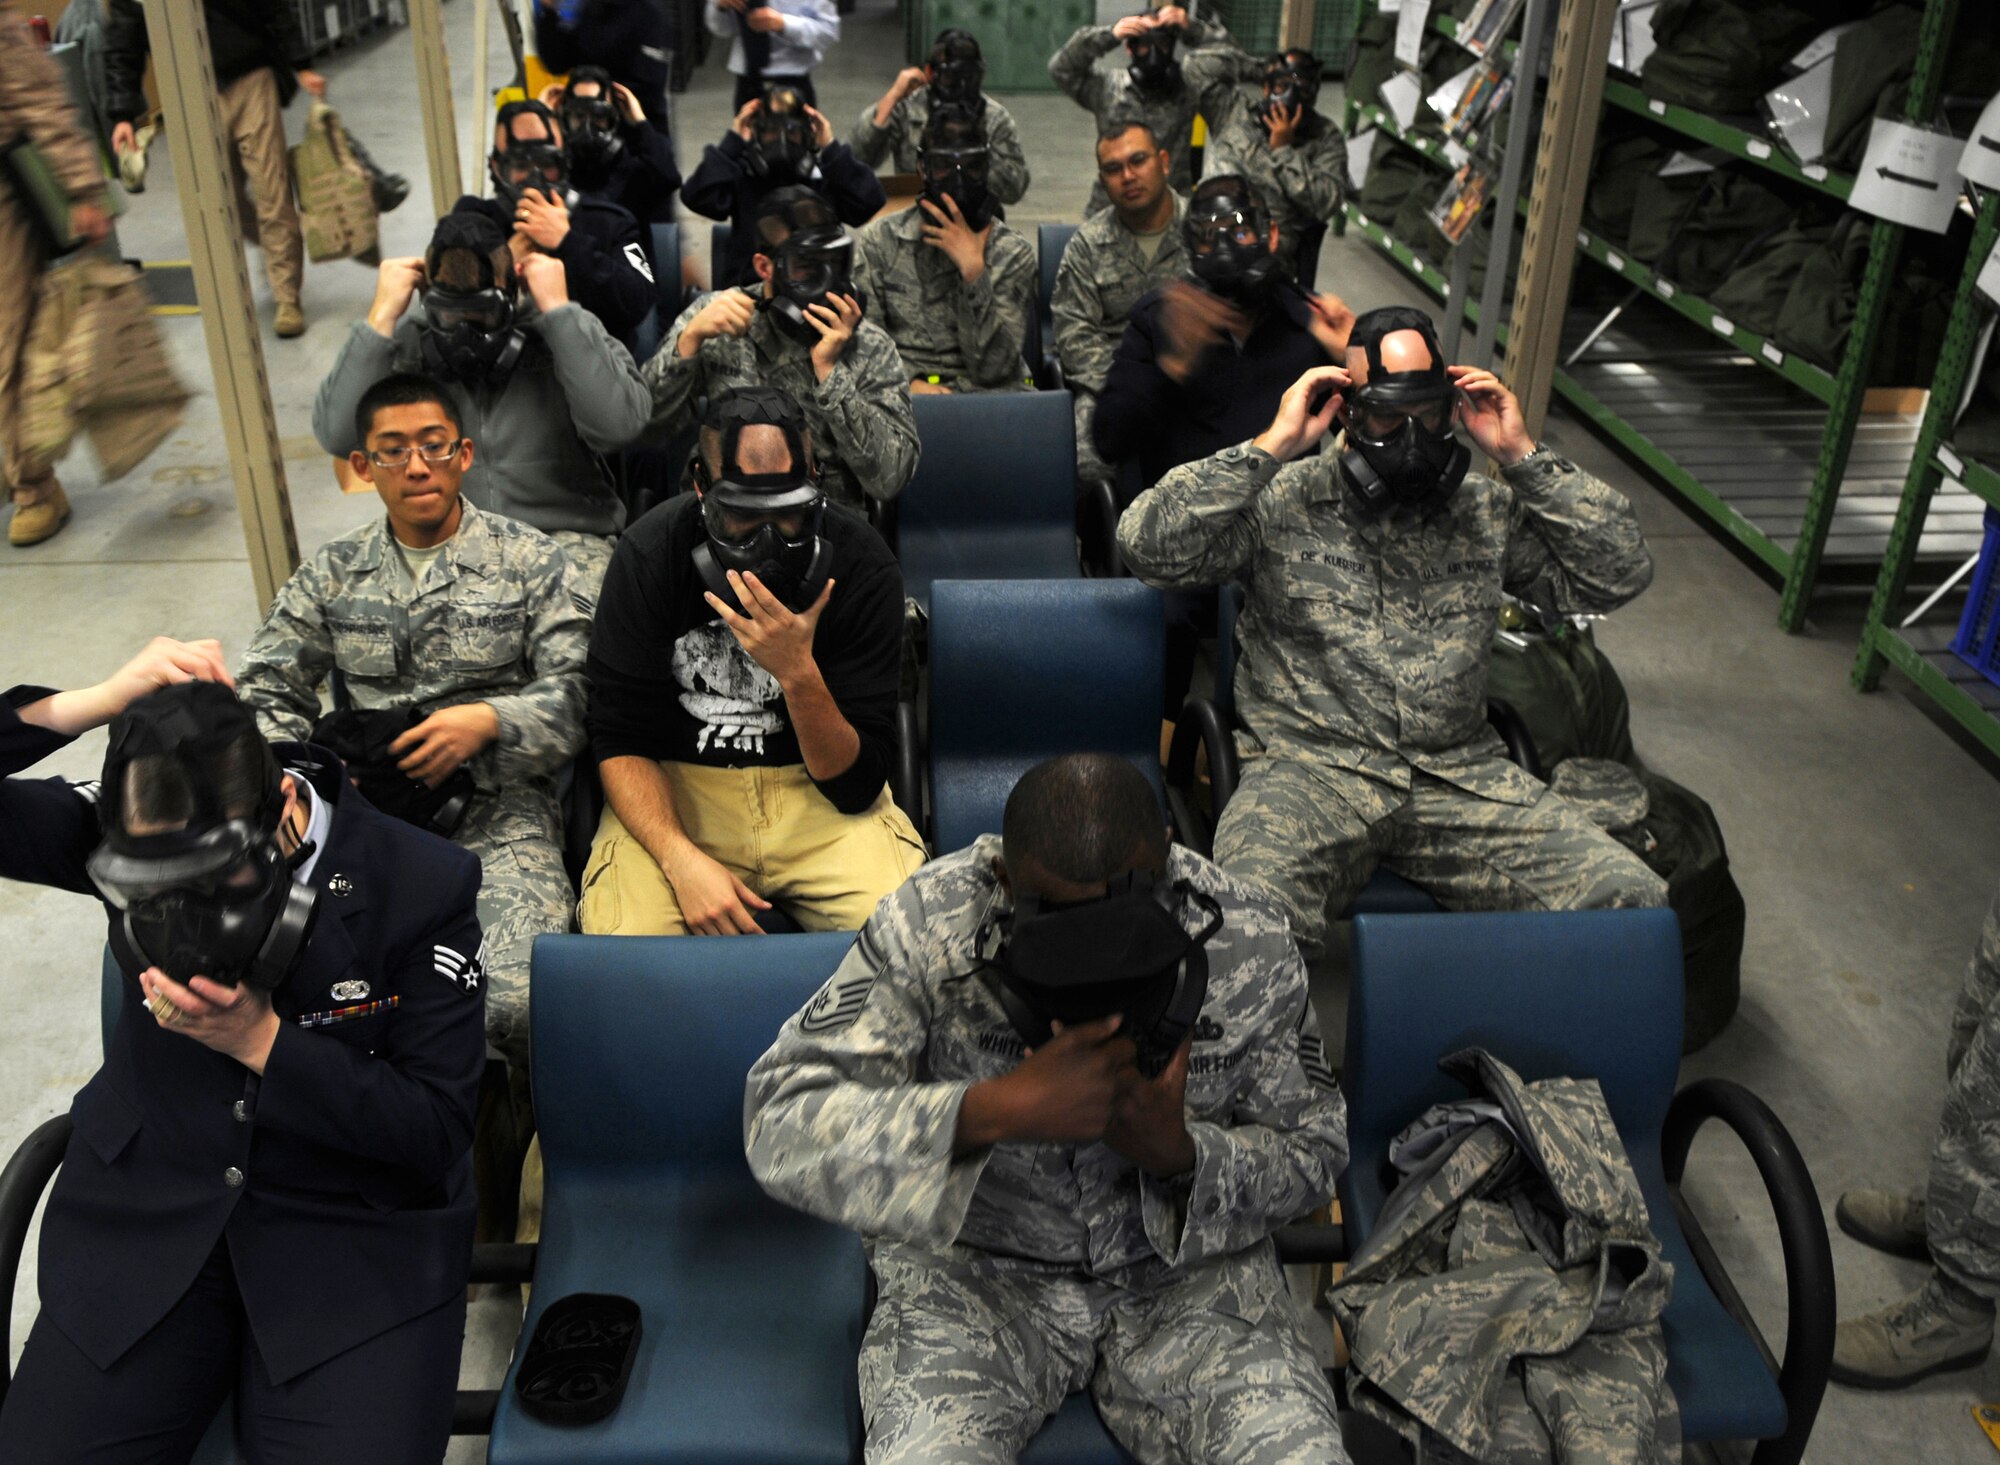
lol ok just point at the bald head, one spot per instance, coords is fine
(1400, 351)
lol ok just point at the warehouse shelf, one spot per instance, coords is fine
(1922, 652)
(1384, 120)
(1750, 146)
(1447, 27)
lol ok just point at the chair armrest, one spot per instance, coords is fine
(1809, 1284)
(503, 1261)
(1513, 730)
(1200, 727)
(882, 515)
(907, 777)
(1097, 532)
(1305, 1242)
(27, 1175)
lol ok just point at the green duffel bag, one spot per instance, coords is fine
(1977, 433)
(1819, 307)
(1412, 223)
(1568, 694)
(1729, 218)
(1623, 162)
(1869, 62)
(1721, 56)
(1754, 293)
(1372, 59)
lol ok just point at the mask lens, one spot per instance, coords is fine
(1383, 421)
(487, 311)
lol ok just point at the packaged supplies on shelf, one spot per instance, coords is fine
(1628, 152)
(1730, 214)
(1393, 175)
(336, 193)
(1754, 293)
(1819, 305)
(1723, 55)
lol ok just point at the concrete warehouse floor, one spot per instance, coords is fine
(1859, 828)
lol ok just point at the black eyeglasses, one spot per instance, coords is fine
(432, 453)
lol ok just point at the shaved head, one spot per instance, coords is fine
(1400, 350)
(760, 448)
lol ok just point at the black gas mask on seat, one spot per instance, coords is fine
(591, 127)
(782, 146)
(520, 167)
(1291, 80)
(1153, 67)
(956, 165)
(470, 335)
(957, 69)
(1126, 952)
(1400, 451)
(766, 524)
(1227, 235)
(213, 897)
(811, 254)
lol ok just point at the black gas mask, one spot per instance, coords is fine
(960, 174)
(591, 128)
(812, 258)
(214, 897)
(538, 166)
(782, 146)
(361, 739)
(1291, 81)
(957, 70)
(1228, 240)
(473, 335)
(766, 524)
(1126, 952)
(1400, 451)
(1153, 67)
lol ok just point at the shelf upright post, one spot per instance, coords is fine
(1520, 127)
(1954, 366)
(434, 97)
(1577, 70)
(1885, 248)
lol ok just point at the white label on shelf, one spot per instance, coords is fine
(1772, 354)
(1980, 162)
(1723, 325)
(1615, 260)
(1456, 155)
(1907, 176)
(1756, 147)
(1382, 7)
(1412, 21)
(1953, 464)
(1667, 289)
(1583, 239)
(333, 20)
(1816, 171)
(1658, 109)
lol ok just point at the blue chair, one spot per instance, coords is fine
(1597, 994)
(719, 236)
(994, 495)
(1207, 726)
(751, 1311)
(666, 260)
(1051, 240)
(1021, 671)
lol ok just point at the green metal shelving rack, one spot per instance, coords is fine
(1922, 653)
(1794, 551)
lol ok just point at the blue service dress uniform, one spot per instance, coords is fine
(303, 1238)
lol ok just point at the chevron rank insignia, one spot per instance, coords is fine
(840, 1001)
(460, 970)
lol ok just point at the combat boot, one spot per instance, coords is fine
(291, 320)
(1939, 1327)
(1888, 1220)
(34, 522)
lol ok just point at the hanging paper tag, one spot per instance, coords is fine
(1980, 162)
(1360, 155)
(1906, 176)
(1402, 94)
(1412, 21)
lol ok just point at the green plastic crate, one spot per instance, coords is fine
(1017, 37)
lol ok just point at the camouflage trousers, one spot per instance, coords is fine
(591, 556)
(968, 1353)
(1962, 1201)
(1311, 834)
(524, 891)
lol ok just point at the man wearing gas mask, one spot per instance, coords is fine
(1066, 1084)
(894, 127)
(1112, 261)
(778, 140)
(541, 385)
(267, 1190)
(1374, 576)
(606, 257)
(801, 330)
(743, 674)
(951, 283)
(467, 630)
(1180, 68)
(1292, 154)
(615, 155)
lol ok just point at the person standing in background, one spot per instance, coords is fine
(633, 40)
(35, 108)
(775, 40)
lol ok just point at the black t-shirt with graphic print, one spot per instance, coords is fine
(668, 680)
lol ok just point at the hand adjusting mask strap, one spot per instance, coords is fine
(1400, 451)
(960, 173)
(523, 167)
(782, 146)
(1291, 79)
(812, 262)
(471, 335)
(215, 897)
(1126, 952)
(792, 566)
(957, 70)
(1153, 67)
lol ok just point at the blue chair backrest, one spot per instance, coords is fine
(719, 236)
(642, 1043)
(1025, 670)
(994, 495)
(666, 255)
(1588, 994)
(1051, 240)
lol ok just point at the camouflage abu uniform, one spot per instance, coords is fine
(1361, 676)
(1962, 1203)
(1102, 276)
(1007, 165)
(1011, 1277)
(968, 336)
(864, 434)
(1299, 185)
(497, 620)
(1211, 65)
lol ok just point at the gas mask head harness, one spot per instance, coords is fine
(1228, 239)
(811, 254)
(1400, 450)
(1290, 80)
(957, 68)
(470, 332)
(591, 125)
(519, 167)
(1153, 67)
(766, 524)
(1125, 952)
(212, 895)
(954, 161)
(782, 146)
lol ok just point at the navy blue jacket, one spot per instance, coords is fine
(723, 187)
(633, 40)
(342, 1178)
(607, 259)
